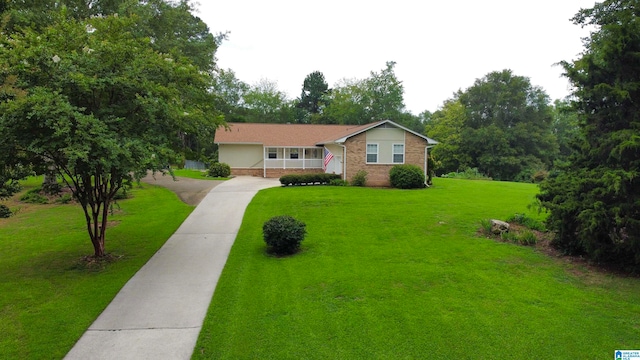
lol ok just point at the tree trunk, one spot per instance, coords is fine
(50, 184)
(97, 215)
(98, 246)
(95, 194)
(98, 227)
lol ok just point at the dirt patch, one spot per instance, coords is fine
(190, 191)
(112, 223)
(93, 263)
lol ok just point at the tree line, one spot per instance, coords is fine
(350, 101)
(503, 125)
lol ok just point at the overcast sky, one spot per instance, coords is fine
(439, 46)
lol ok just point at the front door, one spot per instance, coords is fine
(337, 164)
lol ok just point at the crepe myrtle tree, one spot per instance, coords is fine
(100, 104)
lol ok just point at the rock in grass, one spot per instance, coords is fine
(498, 227)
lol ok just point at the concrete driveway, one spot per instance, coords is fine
(158, 314)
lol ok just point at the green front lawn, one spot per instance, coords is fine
(393, 274)
(195, 174)
(48, 296)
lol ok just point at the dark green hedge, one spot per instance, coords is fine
(308, 179)
(406, 177)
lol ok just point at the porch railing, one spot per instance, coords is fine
(293, 163)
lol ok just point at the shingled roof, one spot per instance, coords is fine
(288, 135)
(306, 135)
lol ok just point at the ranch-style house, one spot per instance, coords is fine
(273, 150)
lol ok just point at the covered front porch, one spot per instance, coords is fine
(293, 158)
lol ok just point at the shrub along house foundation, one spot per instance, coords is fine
(273, 150)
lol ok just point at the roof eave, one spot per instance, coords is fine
(237, 143)
(343, 139)
(336, 142)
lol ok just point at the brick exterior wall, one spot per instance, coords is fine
(378, 174)
(245, 172)
(271, 173)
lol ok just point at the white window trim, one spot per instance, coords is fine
(367, 153)
(393, 153)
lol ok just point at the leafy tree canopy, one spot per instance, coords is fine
(507, 130)
(565, 127)
(99, 102)
(346, 105)
(593, 201)
(378, 97)
(446, 125)
(170, 27)
(385, 94)
(230, 92)
(266, 103)
(173, 29)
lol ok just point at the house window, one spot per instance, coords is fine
(398, 153)
(312, 154)
(293, 153)
(273, 153)
(372, 153)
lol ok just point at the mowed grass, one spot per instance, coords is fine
(192, 174)
(48, 296)
(195, 174)
(393, 274)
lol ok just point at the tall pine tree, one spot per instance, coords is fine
(594, 202)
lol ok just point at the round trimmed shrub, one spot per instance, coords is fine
(5, 212)
(359, 179)
(406, 177)
(283, 234)
(219, 170)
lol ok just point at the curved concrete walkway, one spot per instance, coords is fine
(158, 314)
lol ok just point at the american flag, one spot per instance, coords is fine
(327, 158)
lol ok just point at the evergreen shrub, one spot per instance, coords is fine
(359, 179)
(33, 197)
(283, 234)
(406, 176)
(219, 170)
(5, 212)
(308, 179)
